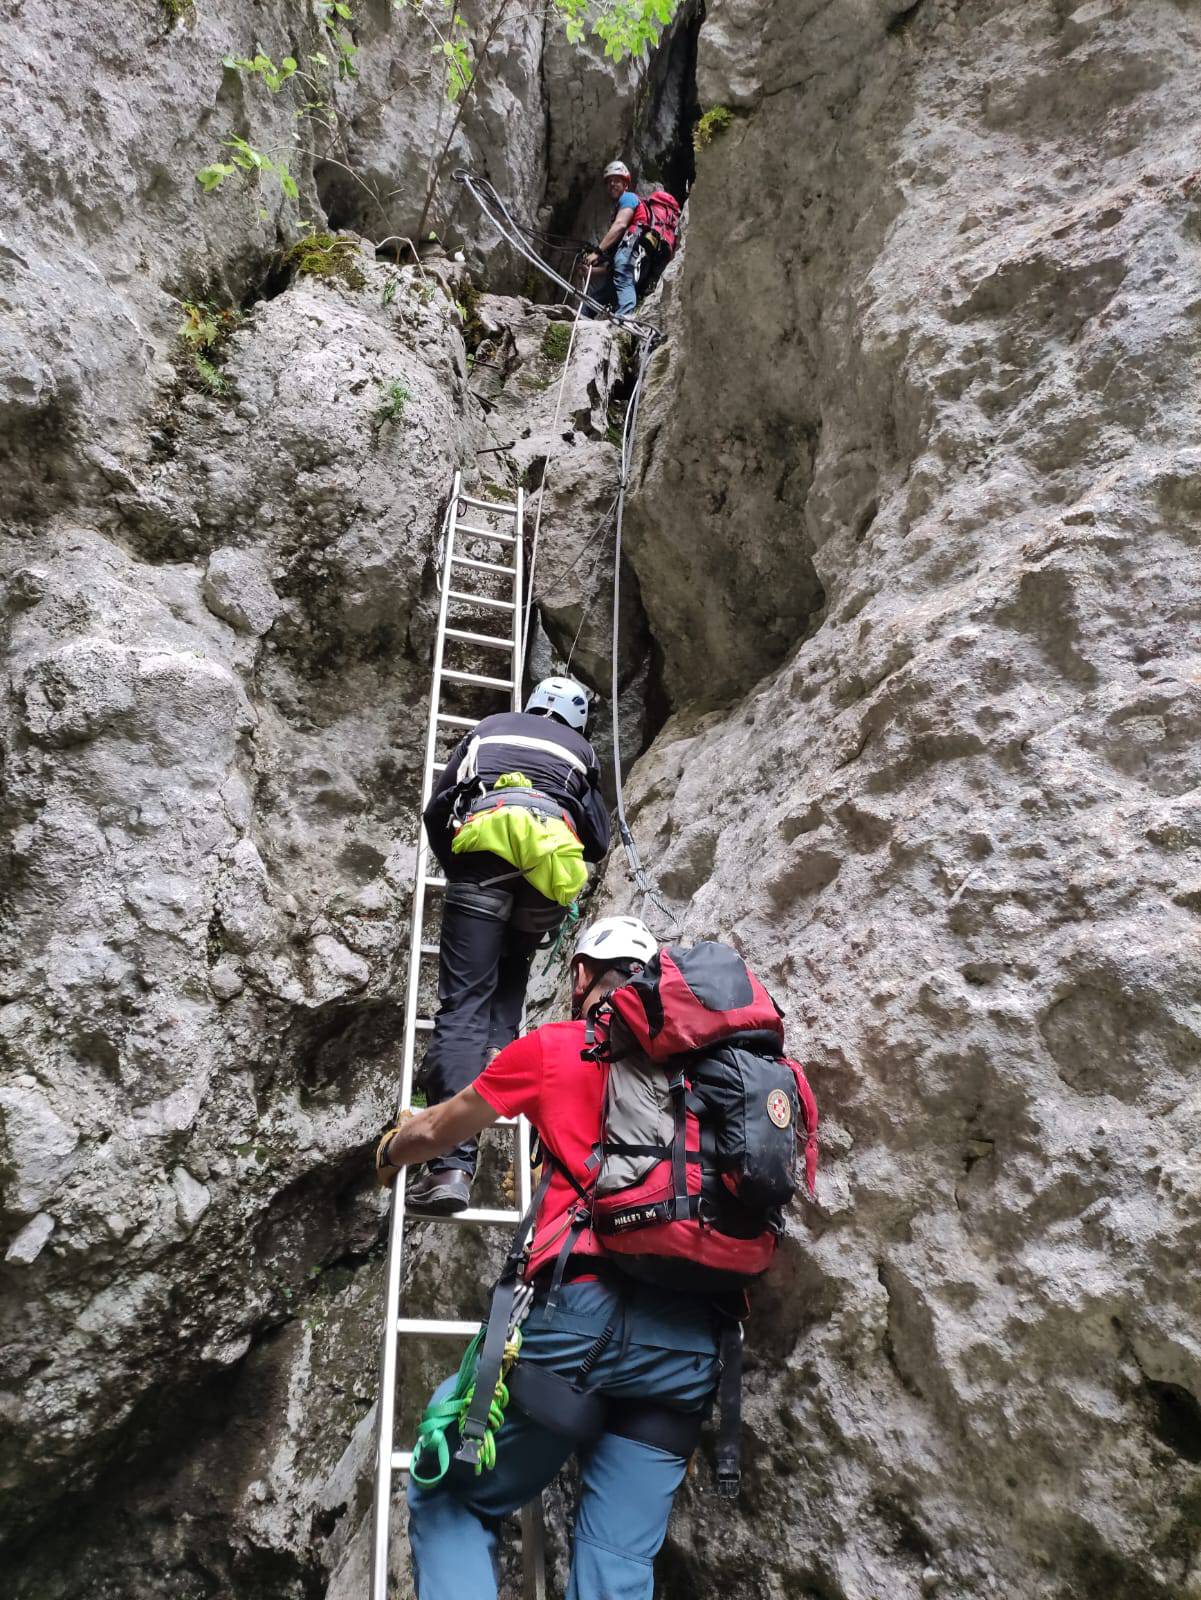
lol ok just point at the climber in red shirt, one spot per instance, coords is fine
(651, 1354)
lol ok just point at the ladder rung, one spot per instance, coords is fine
(430, 950)
(477, 678)
(473, 1214)
(489, 640)
(485, 533)
(424, 1024)
(458, 722)
(438, 766)
(488, 505)
(481, 566)
(435, 883)
(437, 1327)
(401, 1459)
(481, 600)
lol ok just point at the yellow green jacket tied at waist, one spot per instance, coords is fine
(530, 831)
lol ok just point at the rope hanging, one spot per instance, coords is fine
(515, 234)
(440, 1417)
(546, 460)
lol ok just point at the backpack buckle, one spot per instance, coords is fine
(469, 1447)
(728, 1484)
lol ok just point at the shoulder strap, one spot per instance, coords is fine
(729, 1398)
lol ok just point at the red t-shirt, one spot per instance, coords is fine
(543, 1078)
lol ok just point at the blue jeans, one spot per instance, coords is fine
(665, 1347)
(624, 296)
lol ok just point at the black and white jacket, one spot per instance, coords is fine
(555, 758)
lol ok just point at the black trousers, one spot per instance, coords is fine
(489, 934)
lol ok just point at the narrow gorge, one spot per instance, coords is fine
(910, 667)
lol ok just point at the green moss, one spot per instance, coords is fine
(556, 342)
(716, 120)
(176, 10)
(333, 257)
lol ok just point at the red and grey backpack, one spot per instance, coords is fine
(698, 1153)
(706, 1122)
(657, 221)
(659, 218)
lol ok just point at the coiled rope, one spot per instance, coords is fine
(441, 1416)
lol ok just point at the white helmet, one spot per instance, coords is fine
(617, 169)
(616, 940)
(563, 698)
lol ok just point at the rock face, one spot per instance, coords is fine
(914, 548)
(212, 736)
(926, 583)
(105, 231)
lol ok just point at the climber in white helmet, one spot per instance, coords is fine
(614, 255)
(516, 815)
(618, 1372)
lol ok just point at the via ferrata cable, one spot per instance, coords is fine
(546, 460)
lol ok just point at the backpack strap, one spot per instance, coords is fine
(729, 1398)
(582, 1221)
(678, 1088)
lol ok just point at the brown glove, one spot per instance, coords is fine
(385, 1173)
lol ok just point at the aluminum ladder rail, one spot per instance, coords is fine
(465, 581)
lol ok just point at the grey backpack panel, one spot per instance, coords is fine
(637, 1111)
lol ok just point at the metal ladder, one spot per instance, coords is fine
(468, 581)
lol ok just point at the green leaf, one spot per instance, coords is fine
(214, 175)
(342, 10)
(288, 184)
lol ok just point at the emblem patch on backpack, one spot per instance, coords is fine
(778, 1108)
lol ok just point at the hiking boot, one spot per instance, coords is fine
(439, 1192)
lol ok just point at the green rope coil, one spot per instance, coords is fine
(442, 1416)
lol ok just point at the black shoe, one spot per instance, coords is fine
(439, 1193)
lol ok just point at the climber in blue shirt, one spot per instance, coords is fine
(619, 243)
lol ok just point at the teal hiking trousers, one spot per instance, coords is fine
(664, 1348)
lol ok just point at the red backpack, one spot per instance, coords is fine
(659, 218)
(696, 1157)
(698, 1154)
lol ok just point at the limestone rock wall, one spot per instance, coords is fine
(914, 562)
(918, 533)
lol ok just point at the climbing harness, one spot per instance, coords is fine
(529, 830)
(481, 571)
